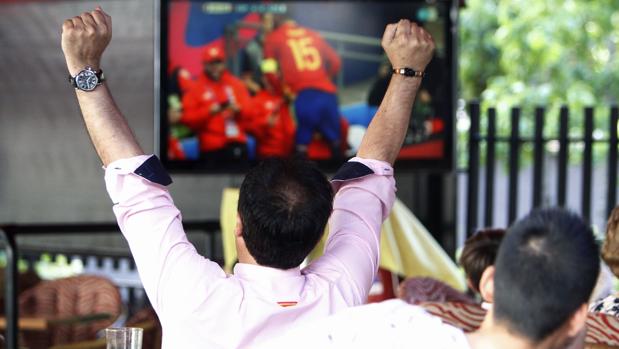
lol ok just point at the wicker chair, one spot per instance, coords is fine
(76, 308)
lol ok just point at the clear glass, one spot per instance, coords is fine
(124, 338)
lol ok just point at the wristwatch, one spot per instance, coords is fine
(409, 72)
(87, 79)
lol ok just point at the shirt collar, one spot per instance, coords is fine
(259, 272)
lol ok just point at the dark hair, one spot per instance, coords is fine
(479, 253)
(546, 268)
(284, 206)
(610, 248)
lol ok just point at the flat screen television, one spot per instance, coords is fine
(240, 81)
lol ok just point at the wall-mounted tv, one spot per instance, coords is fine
(242, 81)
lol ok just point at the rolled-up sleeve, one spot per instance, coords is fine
(169, 266)
(364, 198)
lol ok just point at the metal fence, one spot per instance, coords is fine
(515, 143)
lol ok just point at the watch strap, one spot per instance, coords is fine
(409, 72)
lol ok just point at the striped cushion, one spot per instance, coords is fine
(602, 329)
(466, 316)
(417, 290)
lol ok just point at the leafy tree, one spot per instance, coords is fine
(541, 53)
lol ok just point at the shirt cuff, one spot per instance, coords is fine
(126, 166)
(145, 167)
(357, 168)
(371, 176)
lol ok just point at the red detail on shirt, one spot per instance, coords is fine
(269, 120)
(305, 59)
(197, 104)
(287, 304)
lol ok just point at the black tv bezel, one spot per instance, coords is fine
(444, 164)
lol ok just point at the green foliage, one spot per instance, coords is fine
(541, 53)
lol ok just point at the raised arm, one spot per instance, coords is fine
(84, 38)
(169, 266)
(407, 46)
(365, 185)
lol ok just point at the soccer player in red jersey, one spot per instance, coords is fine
(269, 118)
(212, 108)
(307, 65)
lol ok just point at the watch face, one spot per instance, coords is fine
(86, 80)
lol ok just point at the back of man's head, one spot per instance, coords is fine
(284, 206)
(546, 269)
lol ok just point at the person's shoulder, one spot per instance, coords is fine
(386, 324)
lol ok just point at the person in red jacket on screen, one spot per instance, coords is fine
(269, 119)
(212, 107)
(307, 65)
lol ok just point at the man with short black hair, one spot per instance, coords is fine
(545, 271)
(283, 210)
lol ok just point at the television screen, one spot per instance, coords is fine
(244, 81)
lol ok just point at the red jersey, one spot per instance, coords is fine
(305, 59)
(269, 120)
(221, 128)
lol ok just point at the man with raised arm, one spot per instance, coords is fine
(283, 209)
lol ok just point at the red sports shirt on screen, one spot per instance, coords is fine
(305, 59)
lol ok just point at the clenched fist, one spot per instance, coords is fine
(84, 38)
(407, 45)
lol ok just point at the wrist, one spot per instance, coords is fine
(75, 66)
(407, 80)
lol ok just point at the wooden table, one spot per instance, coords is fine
(37, 323)
(28, 323)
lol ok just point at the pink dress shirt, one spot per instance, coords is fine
(200, 306)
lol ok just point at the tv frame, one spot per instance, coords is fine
(444, 164)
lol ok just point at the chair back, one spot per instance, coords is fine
(64, 302)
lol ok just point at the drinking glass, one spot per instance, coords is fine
(124, 338)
